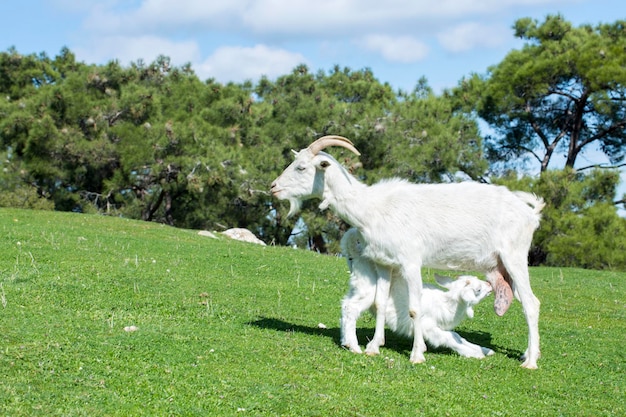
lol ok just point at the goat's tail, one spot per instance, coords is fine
(535, 202)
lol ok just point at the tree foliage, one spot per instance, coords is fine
(580, 226)
(563, 92)
(154, 142)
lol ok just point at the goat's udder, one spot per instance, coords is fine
(502, 292)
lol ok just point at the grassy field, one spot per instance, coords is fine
(229, 328)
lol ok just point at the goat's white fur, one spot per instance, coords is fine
(442, 310)
(468, 226)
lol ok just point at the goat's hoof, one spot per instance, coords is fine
(417, 359)
(354, 348)
(528, 361)
(529, 364)
(488, 352)
(373, 349)
(372, 352)
(475, 356)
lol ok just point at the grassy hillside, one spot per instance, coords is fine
(225, 328)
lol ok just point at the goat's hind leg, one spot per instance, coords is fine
(518, 271)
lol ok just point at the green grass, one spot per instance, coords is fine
(229, 328)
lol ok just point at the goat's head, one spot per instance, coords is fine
(467, 288)
(303, 178)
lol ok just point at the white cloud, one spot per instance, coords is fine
(232, 63)
(130, 49)
(467, 36)
(397, 49)
(166, 16)
(400, 31)
(297, 18)
(332, 17)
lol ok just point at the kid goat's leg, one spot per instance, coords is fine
(360, 297)
(380, 302)
(437, 337)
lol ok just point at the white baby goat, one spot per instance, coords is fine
(442, 310)
(462, 226)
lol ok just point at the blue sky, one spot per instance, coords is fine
(234, 40)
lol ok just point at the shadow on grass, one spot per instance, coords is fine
(393, 341)
(484, 339)
(281, 325)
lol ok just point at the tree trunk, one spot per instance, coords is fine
(169, 218)
(318, 244)
(148, 213)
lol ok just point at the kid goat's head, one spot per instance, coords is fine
(303, 178)
(467, 289)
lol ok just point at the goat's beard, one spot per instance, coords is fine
(294, 206)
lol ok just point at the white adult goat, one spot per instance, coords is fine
(406, 226)
(442, 310)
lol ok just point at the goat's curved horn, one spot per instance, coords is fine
(332, 140)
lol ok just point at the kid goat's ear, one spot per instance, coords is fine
(443, 280)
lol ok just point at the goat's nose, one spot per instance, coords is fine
(273, 185)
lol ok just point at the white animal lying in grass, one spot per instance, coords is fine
(442, 310)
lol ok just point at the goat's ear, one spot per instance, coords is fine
(470, 298)
(443, 281)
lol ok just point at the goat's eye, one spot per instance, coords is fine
(300, 168)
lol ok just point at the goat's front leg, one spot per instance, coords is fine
(380, 304)
(413, 276)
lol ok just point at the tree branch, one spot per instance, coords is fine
(604, 166)
(604, 132)
(112, 118)
(564, 94)
(536, 128)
